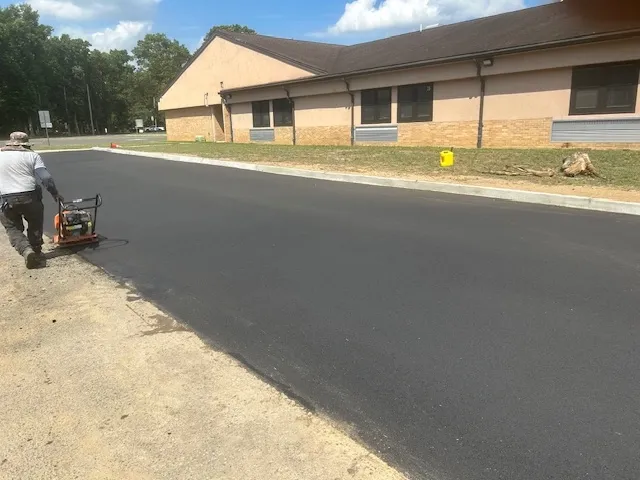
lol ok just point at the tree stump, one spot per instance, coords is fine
(578, 164)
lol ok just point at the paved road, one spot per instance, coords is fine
(100, 140)
(463, 338)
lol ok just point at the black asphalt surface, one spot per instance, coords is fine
(462, 338)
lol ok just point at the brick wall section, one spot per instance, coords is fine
(438, 134)
(241, 135)
(336, 135)
(598, 146)
(528, 133)
(186, 123)
(378, 144)
(284, 135)
(533, 132)
(218, 122)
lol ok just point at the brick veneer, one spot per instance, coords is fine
(439, 134)
(336, 135)
(186, 123)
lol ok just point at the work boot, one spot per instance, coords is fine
(31, 258)
(42, 259)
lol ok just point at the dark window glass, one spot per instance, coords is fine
(609, 88)
(376, 106)
(282, 113)
(415, 103)
(261, 114)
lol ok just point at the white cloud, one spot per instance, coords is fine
(367, 15)
(123, 36)
(60, 9)
(81, 10)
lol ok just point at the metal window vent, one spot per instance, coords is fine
(375, 133)
(614, 130)
(262, 135)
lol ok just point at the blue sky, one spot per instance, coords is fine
(120, 23)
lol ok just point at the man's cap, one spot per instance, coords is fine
(18, 139)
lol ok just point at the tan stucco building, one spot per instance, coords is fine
(534, 78)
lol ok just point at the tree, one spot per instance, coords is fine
(68, 61)
(229, 28)
(159, 60)
(39, 71)
(110, 76)
(22, 56)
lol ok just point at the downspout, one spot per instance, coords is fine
(225, 100)
(213, 123)
(293, 115)
(481, 109)
(353, 102)
(230, 122)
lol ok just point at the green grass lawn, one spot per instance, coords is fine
(620, 168)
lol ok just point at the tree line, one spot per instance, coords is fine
(83, 88)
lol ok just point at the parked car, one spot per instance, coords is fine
(154, 129)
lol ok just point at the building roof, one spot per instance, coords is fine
(544, 26)
(536, 26)
(315, 57)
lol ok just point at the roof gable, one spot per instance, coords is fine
(315, 57)
(225, 64)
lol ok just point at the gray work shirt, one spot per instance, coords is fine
(18, 171)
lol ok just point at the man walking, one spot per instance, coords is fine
(21, 196)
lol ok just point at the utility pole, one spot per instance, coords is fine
(66, 109)
(93, 132)
(155, 112)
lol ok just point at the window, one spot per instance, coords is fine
(282, 113)
(610, 88)
(415, 103)
(261, 114)
(376, 106)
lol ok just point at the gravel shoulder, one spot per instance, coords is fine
(97, 383)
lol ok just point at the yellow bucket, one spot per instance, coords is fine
(446, 158)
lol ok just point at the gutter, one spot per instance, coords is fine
(353, 101)
(446, 60)
(293, 114)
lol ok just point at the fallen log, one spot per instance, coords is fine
(520, 171)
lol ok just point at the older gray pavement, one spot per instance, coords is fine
(463, 338)
(99, 140)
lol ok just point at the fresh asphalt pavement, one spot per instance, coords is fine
(461, 337)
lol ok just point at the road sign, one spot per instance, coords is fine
(45, 119)
(139, 123)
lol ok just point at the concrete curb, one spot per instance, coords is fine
(553, 199)
(59, 150)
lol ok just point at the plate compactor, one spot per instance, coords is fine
(75, 222)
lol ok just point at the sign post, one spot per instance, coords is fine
(45, 122)
(139, 125)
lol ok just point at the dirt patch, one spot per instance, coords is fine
(97, 383)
